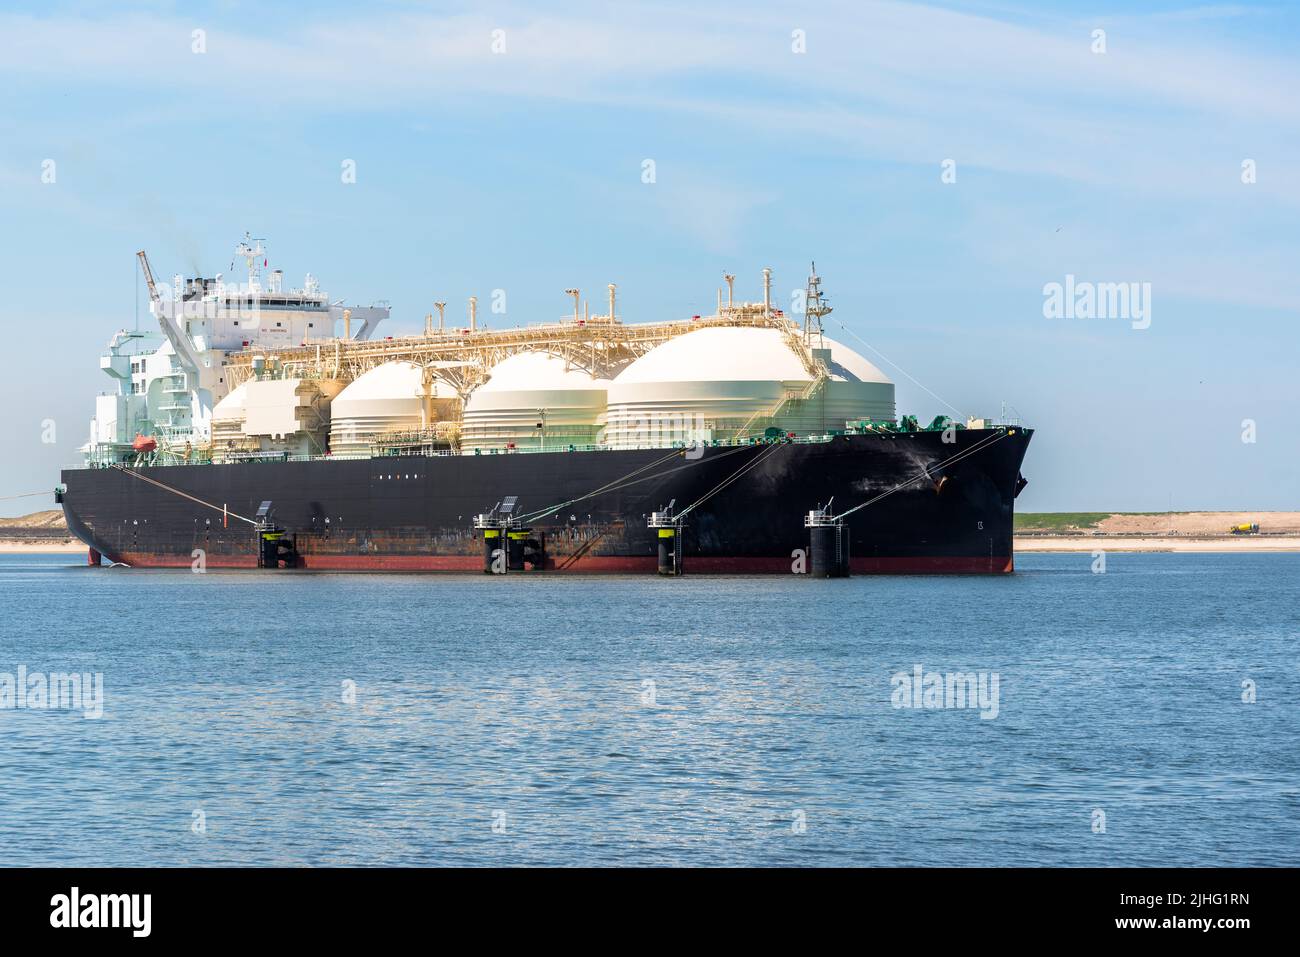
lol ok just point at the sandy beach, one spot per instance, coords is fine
(1156, 532)
(1136, 543)
(24, 547)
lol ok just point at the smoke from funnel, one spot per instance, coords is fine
(175, 240)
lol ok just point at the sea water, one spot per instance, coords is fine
(1147, 714)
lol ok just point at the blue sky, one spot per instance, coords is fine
(522, 171)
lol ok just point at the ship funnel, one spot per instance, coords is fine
(441, 307)
(473, 313)
(611, 302)
(767, 291)
(731, 287)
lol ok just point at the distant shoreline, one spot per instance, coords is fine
(49, 547)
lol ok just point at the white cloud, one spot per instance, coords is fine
(893, 55)
(1167, 114)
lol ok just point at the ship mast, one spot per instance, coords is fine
(815, 306)
(252, 250)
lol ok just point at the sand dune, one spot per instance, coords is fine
(1154, 543)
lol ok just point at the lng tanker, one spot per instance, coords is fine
(265, 427)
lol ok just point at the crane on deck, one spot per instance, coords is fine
(179, 340)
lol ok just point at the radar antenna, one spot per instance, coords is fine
(251, 250)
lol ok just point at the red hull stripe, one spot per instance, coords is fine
(712, 565)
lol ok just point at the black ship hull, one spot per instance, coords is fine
(950, 509)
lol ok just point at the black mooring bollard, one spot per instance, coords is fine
(668, 532)
(828, 545)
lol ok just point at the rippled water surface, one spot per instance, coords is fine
(634, 720)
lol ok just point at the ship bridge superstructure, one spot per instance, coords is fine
(168, 380)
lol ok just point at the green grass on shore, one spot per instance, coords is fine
(1058, 521)
(1065, 521)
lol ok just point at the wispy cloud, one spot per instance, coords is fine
(898, 81)
(856, 52)
(1166, 114)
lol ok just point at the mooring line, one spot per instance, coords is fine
(680, 468)
(620, 483)
(909, 375)
(731, 478)
(175, 491)
(604, 488)
(982, 443)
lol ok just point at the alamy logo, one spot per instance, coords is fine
(57, 690)
(102, 910)
(1098, 300)
(957, 689)
(234, 301)
(664, 430)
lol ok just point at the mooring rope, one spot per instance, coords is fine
(622, 483)
(729, 479)
(909, 375)
(175, 491)
(986, 441)
(6, 498)
(680, 468)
